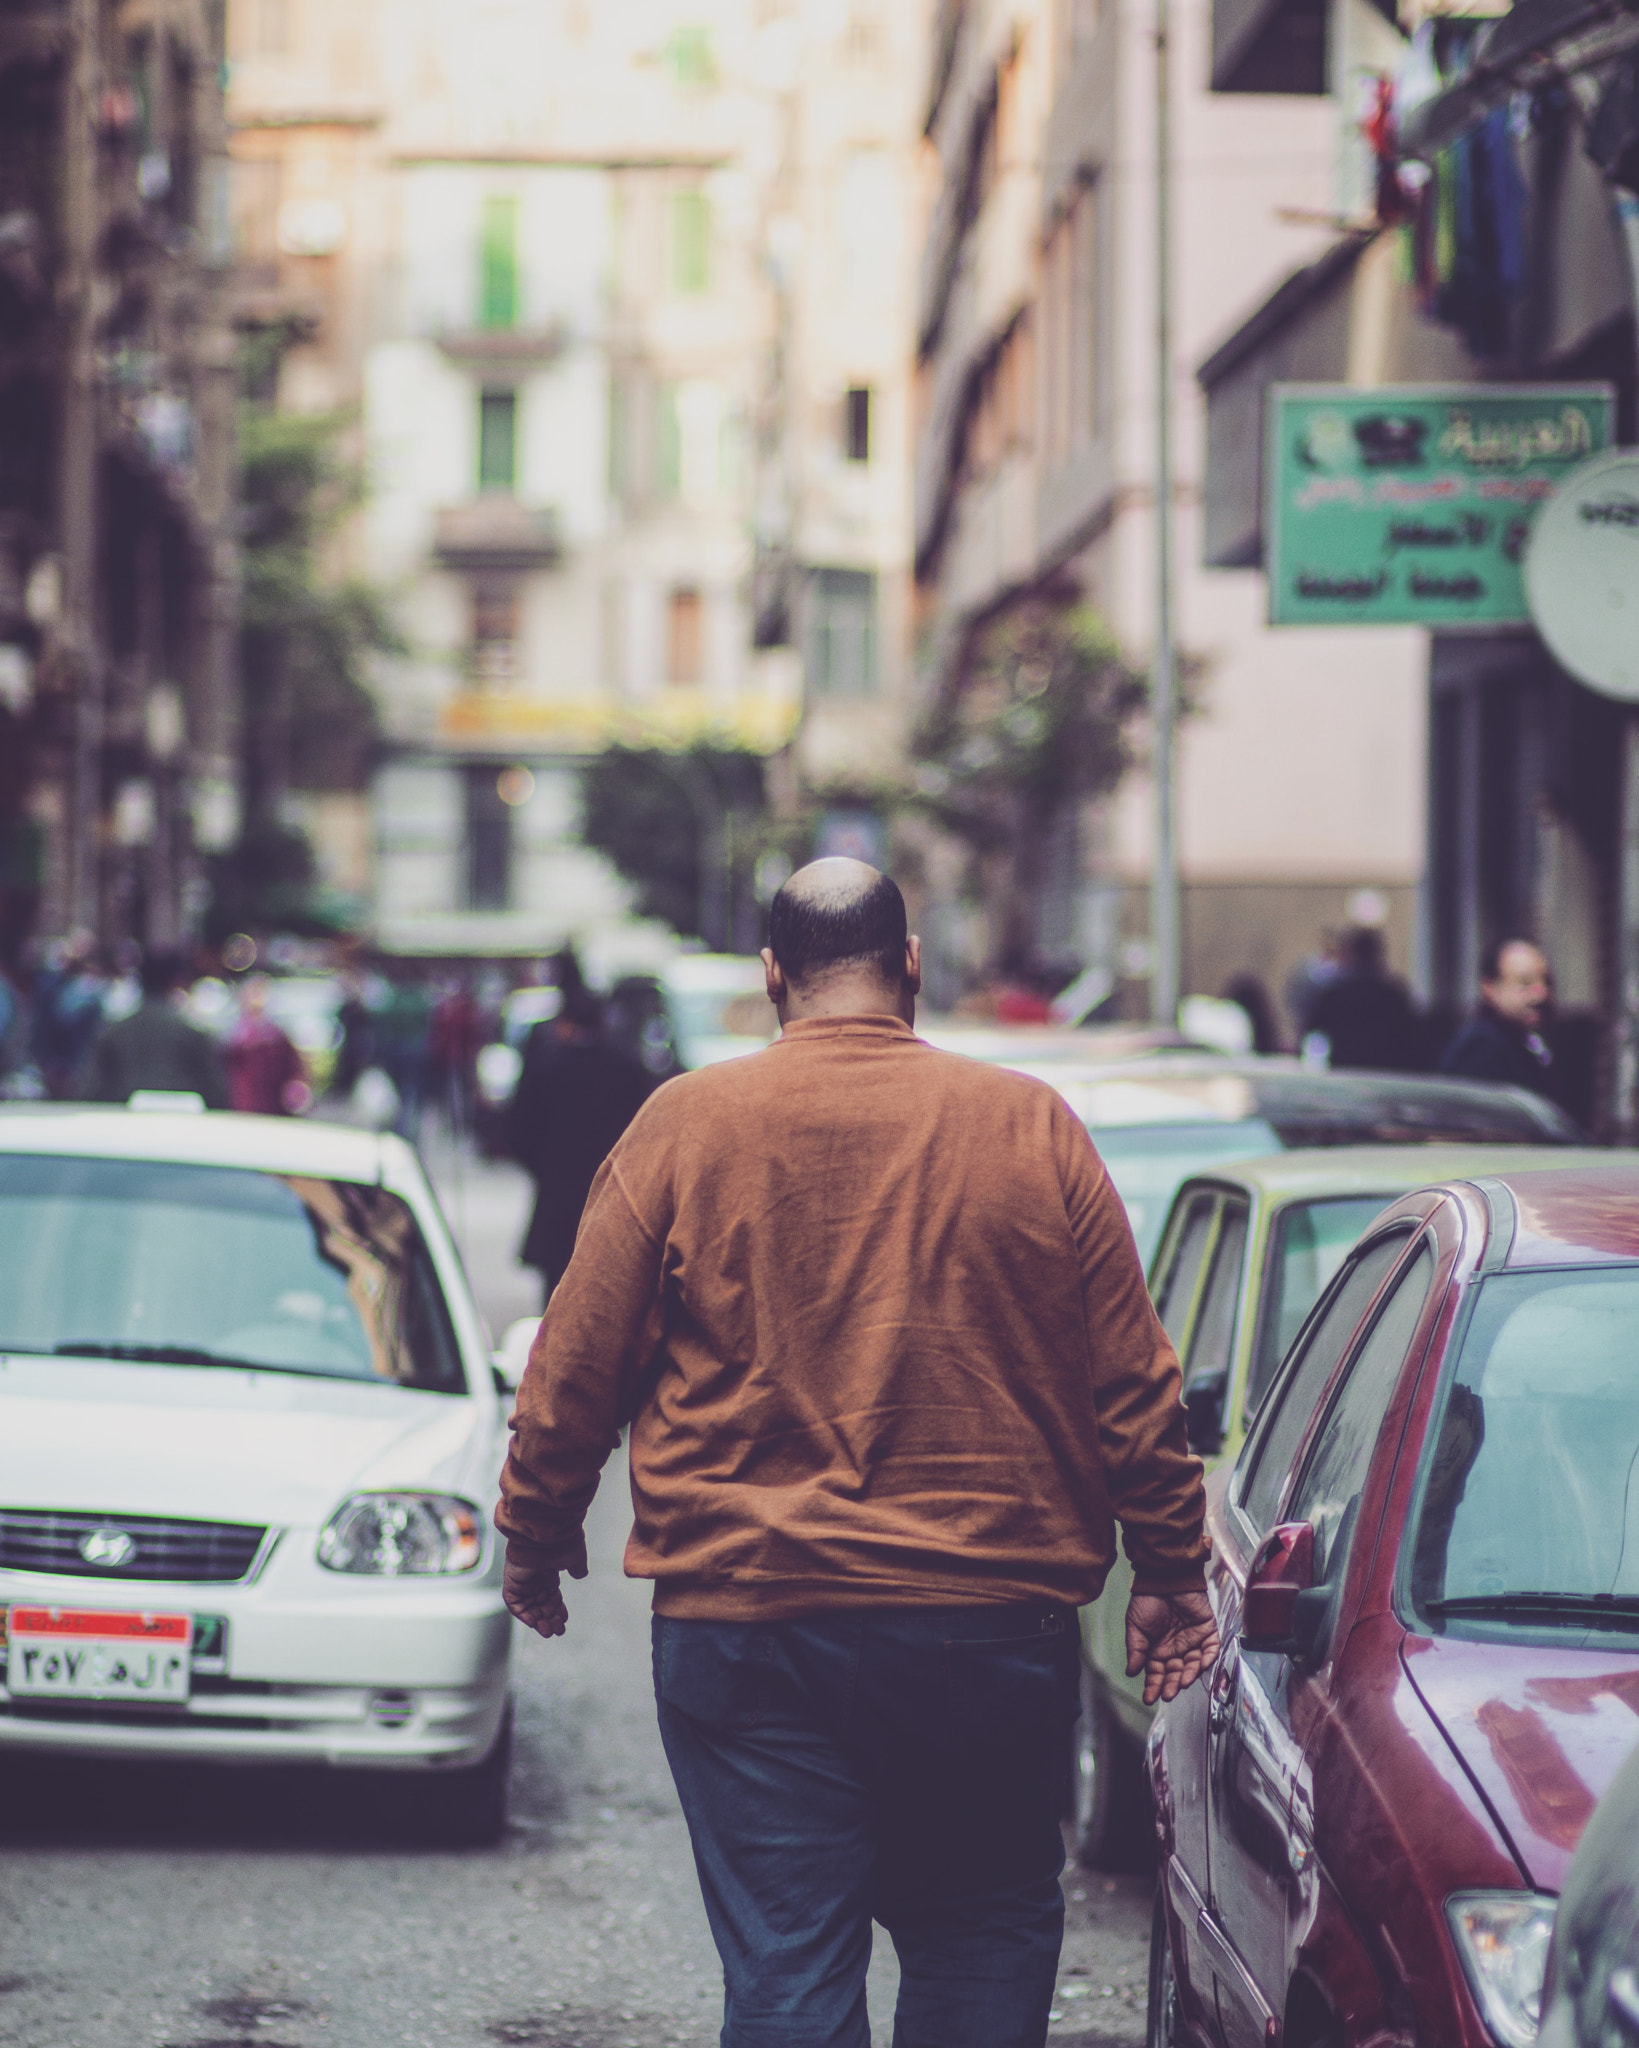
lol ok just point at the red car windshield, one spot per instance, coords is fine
(1527, 1519)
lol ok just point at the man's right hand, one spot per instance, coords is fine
(1171, 1638)
(533, 1597)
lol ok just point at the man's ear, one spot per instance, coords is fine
(913, 964)
(774, 977)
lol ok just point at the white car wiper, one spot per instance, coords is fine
(1602, 1610)
(166, 1354)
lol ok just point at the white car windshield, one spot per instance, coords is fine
(168, 1264)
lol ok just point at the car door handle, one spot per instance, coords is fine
(1220, 1707)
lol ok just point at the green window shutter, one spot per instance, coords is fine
(691, 241)
(498, 264)
(497, 441)
(668, 448)
(691, 57)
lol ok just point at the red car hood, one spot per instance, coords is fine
(1543, 1731)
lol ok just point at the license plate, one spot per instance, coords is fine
(66, 1653)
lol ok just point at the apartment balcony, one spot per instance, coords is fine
(502, 351)
(496, 532)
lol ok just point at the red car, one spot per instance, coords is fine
(1426, 1575)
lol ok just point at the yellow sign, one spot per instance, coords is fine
(504, 719)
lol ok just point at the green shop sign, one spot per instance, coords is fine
(1409, 505)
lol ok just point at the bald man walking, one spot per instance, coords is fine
(875, 1318)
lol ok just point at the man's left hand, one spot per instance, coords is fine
(533, 1597)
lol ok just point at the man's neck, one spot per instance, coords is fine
(852, 995)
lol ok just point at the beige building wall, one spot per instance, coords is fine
(841, 240)
(1300, 764)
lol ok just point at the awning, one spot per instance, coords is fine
(1540, 43)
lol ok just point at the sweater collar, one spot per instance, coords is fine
(867, 1024)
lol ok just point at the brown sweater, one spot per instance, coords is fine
(876, 1319)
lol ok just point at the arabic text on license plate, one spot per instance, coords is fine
(67, 1653)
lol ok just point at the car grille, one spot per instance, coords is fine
(44, 1540)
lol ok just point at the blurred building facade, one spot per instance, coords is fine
(635, 432)
(118, 562)
(1300, 758)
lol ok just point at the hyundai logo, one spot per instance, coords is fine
(108, 1546)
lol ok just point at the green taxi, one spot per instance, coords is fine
(1245, 1253)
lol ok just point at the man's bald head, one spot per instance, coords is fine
(838, 915)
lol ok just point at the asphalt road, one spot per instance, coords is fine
(167, 1908)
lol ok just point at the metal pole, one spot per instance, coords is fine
(1625, 1066)
(1164, 906)
(77, 457)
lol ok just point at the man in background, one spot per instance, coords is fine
(575, 1095)
(156, 1048)
(1363, 1013)
(1503, 1040)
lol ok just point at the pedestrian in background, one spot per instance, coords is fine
(68, 1013)
(1503, 1040)
(399, 1024)
(874, 1315)
(1363, 1012)
(453, 1038)
(1249, 993)
(266, 1076)
(156, 1047)
(575, 1096)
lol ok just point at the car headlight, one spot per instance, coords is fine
(1502, 1938)
(399, 1535)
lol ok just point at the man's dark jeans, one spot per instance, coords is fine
(904, 1764)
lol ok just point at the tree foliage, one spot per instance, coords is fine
(1040, 720)
(684, 828)
(1043, 719)
(308, 636)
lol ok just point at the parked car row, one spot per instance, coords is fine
(1425, 1571)
(252, 1432)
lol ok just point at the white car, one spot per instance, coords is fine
(250, 1437)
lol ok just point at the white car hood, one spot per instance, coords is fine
(214, 1445)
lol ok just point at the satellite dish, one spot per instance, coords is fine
(1582, 574)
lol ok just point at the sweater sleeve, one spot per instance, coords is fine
(584, 1379)
(1155, 1482)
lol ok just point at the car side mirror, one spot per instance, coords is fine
(1204, 1413)
(512, 1355)
(1282, 1570)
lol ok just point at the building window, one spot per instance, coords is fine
(856, 423)
(685, 638)
(494, 633)
(842, 633)
(613, 637)
(690, 241)
(1077, 23)
(267, 28)
(489, 838)
(497, 440)
(1070, 368)
(1000, 422)
(668, 442)
(256, 187)
(498, 264)
(867, 235)
(690, 57)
